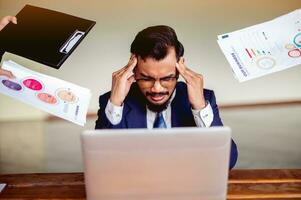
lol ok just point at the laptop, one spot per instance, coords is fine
(45, 36)
(156, 164)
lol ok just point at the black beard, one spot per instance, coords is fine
(156, 107)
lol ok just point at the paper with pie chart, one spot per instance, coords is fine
(264, 48)
(55, 96)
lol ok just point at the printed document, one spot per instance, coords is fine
(264, 48)
(55, 96)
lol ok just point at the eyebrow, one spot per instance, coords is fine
(146, 76)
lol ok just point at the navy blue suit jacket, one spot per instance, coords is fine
(134, 112)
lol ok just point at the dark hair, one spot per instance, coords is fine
(155, 41)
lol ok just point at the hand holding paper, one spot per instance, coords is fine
(55, 96)
(3, 22)
(6, 20)
(48, 43)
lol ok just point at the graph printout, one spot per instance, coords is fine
(264, 48)
(55, 96)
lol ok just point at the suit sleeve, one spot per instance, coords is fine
(218, 122)
(102, 121)
(216, 118)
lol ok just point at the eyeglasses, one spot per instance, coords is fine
(164, 82)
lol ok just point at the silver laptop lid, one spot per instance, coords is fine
(161, 164)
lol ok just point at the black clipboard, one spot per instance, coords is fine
(45, 36)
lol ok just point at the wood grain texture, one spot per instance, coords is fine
(43, 186)
(243, 184)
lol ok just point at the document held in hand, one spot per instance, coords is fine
(264, 48)
(55, 96)
(44, 36)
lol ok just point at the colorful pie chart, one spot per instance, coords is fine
(297, 40)
(67, 96)
(266, 62)
(12, 85)
(33, 84)
(47, 98)
(295, 53)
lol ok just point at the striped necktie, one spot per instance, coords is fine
(159, 121)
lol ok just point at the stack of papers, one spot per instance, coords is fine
(264, 48)
(55, 96)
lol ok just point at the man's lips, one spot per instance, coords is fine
(157, 98)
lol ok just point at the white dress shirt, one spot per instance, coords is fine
(202, 117)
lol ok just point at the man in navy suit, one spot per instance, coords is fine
(146, 92)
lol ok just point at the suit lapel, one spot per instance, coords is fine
(181, 114)
(135, 112)
(175, 110)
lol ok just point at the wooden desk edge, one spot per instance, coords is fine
(242, 184)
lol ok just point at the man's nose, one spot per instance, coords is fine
(157, 87)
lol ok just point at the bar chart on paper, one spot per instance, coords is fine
(264, 48)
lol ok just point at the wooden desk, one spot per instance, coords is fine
(243, 184)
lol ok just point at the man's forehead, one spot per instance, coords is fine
(150, 66)
(156, 69)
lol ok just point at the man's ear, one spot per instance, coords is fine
(138, 58)
(179, 59)
(135, 69)
(177, 73)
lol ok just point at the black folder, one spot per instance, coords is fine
(43, 35)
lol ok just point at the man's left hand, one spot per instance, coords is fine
(5, 20)
(195, 85)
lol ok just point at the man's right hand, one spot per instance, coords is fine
(122, 81)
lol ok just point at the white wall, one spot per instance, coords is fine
(197, 23)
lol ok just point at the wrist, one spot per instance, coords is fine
(199, 106)
(115, 102)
